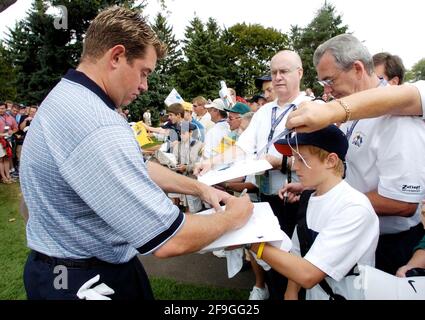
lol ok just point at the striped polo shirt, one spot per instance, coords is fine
(85, 182)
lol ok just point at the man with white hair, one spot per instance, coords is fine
(385, 153)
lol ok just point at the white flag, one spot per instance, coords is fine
(225, 95)
(173, 97)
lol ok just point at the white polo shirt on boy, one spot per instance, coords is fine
(348, 231)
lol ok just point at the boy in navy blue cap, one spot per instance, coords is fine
(337, 226)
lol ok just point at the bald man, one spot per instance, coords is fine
(268, 122)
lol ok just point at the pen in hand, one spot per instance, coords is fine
(285, 198)
(244, 191)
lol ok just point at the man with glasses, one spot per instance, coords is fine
(201, 113)
(235, 114)
(384, 155)
(267, 123)
(234, 121)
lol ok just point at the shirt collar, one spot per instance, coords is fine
(300, 98)
(80, 78)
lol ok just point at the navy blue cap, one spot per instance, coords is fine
(330, 139)
(259, 81)
(257, 97)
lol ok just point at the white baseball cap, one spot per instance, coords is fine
(217, 104)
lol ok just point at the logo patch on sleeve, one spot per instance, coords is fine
(411, 188)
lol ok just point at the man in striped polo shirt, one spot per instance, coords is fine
(93, 203)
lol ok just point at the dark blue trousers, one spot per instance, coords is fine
(51, 279)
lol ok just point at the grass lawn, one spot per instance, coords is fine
(13, 250)
(13, 253)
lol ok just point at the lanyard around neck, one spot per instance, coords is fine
(275, 122)
(351, 129)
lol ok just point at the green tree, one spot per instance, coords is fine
(37, 51)
(417, 72)
(249, 50)
(41, 52)
(170, 64)
(7, 76)
(163, 79)
(325, 25)
(80, 14)
(206, 61)
(153, 99)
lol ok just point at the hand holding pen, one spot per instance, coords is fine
(244, 191)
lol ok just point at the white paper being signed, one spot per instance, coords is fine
(263, 226)
(237, 169)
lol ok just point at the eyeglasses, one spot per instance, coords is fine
(297, 153)
(284, 72)
(331, 81)
(326, 83)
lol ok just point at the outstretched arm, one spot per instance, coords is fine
(397, 100)
(291, 266)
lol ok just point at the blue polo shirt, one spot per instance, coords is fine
(85, 183)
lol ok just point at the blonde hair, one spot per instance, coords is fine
(322, 155)
(120, 26)
(200, 100)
